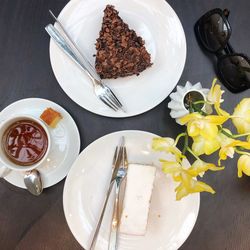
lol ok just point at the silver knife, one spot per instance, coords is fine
(116, 163)
(121, 174)
(90, 66)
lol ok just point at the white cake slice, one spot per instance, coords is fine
(139, 187)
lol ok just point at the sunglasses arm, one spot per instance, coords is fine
(229, 49)
(226, 13)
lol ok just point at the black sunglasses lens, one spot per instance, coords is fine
(214, 32)
(235, 70)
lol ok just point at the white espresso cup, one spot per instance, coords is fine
(6, 164)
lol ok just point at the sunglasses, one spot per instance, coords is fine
(213, 32)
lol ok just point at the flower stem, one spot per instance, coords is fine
(226, 133)
(232, 136)
(199, 102)
(178, 138)
(241, 152)
(192, 153)
(241, 135)
(185, 144)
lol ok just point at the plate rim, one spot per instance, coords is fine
(101, 138)
(119, 115)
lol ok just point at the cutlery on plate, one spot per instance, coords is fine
(33, 182)
(74, 44)
(121, 175)
(67, 45)
(115, 166)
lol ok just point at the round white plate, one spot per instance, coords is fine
(65, 141)
(170, 221)
(155, 21)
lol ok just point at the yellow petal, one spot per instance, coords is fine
(166, 145)
(210, 131)
(211, 146)
(238, 143)
(199, 186)
(241, 116)
(220, 111)
(181, 192)
(216, 119)
(199, 167)
(171, 167)
(223, 139)
(215, 93)
(248, 138)
(189, 117)
(222, 154)
(176, 177)
(198, 146)
(244, 165)
(191, 186)
(161, 144)
(193, 129)
(205, 146)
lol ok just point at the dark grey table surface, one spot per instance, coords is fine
(28, 222)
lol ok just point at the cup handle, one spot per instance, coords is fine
(4, 171)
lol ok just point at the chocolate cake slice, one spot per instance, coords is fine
(120, 52)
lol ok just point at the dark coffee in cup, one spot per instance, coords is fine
(25, 142)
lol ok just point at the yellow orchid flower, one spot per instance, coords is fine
(248, 138)
(228, 150)
(188, 185)
(205, 126)
(244, 165)
(167, 145)
(199, 167)
(241, 116)
(202, 146)
(173, 168)
(214, 96)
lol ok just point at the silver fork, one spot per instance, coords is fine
(115, 166)
(102, 91)
(122, 172)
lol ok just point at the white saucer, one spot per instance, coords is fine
(170, 221)
(65, 141)
(155, 21)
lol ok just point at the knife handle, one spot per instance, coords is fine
(113, 240)
(93, 242)
(63, 44)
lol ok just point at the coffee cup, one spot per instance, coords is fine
(25, 144)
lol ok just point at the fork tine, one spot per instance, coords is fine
(119, 157)
(107, 102)
(115, 100)
(118, 148)
(112, 96)
(124, 153)
(111, 93)
(125, 157)
(110, 101)
(115, 156)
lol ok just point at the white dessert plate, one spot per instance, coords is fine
(65, 141)
(170, 222)
(155, 21)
